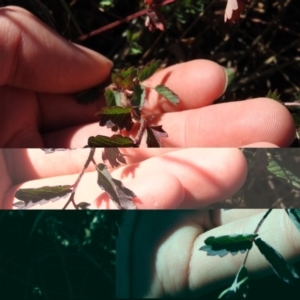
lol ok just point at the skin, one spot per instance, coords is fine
(41, 71)
(168, 261)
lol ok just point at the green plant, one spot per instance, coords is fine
(233, 244)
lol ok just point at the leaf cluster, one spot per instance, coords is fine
(125, 98)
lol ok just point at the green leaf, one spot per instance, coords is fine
(154, 134)
(239, 288)
(231, 75)
(225, 244)
(277, 168)
(294, 215)
(121, 195)
(116, 117)
(139, 94)
(281, 268)
(148, 70)
(167, 93)
(273, 95)
(114, 156)
(113, 141)
(31, 197)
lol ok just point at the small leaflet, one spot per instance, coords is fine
(225, 244)
(31, 197)
(121, 195)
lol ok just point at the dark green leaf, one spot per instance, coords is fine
(233, 244)
(114, 156)
(121, 195)
(83, 205)
(154, 134)
(294, 215)
(113, 141)
(278, 169)
(148, 70)
(139, 93)
(281, 268)
(167, 93)
(116, 116)
(42, 195)
(239, 288)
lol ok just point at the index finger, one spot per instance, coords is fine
(34, 57)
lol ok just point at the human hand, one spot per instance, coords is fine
(158, 251)
(40, 71)
(161, 178)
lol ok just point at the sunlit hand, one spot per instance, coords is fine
(160, 178)
(40, 71)
(158, 251)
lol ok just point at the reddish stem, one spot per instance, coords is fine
(127, 19)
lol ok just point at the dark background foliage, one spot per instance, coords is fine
(58, 254)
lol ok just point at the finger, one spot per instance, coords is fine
(207, 175)
(88, 191)
(5, 181)
(233, 124)
(198, 273)
(197, 83)
(204, 82)
(36, 164)
(34, 57)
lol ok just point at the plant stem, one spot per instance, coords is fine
(141, 132)
(127, 19)
(257, 229)
(75, 185)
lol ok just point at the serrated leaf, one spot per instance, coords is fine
(281, 268)
(138, 96)
(113, 156)
(167, 93)
(148, 70)
(154, 134)
(113, 141)
(279, 170)
(31, 197)
(294, 215)
(239, 288)
(116, 117)
(121, 195)
(225, 244)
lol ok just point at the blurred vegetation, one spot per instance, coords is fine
(58, 254)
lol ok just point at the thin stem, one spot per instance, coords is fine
(141, 131)
(257, 229)
(75, 185)
(127, 19)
